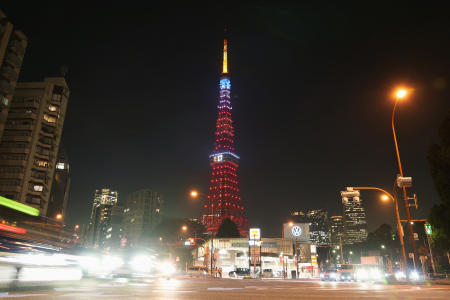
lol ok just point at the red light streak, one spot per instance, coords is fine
(12, 229)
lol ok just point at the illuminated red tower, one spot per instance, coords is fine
(224, 200)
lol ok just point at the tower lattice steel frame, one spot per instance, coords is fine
(224, 200)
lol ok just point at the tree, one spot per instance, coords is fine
(228, 229)
(439, 160)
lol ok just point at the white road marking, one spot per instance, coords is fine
(223, 289)
(98, 295)
(8, 295)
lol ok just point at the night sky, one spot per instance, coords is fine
(310, 95)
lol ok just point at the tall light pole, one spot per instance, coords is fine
(399, 224)
(194, 194)
(401, 94)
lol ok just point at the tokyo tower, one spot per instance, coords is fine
(224, 200)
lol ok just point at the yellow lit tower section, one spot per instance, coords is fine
(224, 200)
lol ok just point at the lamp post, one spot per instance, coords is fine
(401, 94)
(195, 194)
(399, 225)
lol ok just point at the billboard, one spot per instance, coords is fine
(255, 233)
(297, 231)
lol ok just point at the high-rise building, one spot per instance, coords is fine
(224, 199)
(12, 49)
(355, 223)
(141, 215)
(336, 230)
(101, 215)
(31, 139)
(318, 225)
(59, 194)
(114, 232)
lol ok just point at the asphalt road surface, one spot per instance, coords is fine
(208, 288)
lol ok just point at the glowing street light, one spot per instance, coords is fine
(184, 228)
(291, 224)
(194, 194)
(59, 217)
(383, 246)
(351, 252)
(385, 197)
(401, 93)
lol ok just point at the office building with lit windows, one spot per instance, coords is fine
(141, 215)
(101, 217)
(31, 139)
(336, 230)
(12, 50)
(355, 222)
(318, 225)
(59, 194)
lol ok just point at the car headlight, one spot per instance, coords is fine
(167, 268)
(414, 275)
(110, 262)
(141, 263)
(400, 275)
(375, 274)
(362, 274)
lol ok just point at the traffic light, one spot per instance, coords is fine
(428, 229)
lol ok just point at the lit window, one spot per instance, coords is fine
(52, 108)
(157, 210)
(60, 166)
(38, 188)
(41, 163)
(49, 119)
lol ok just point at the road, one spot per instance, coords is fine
(208, 288)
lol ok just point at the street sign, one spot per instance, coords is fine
(404, 182)
(255, 233)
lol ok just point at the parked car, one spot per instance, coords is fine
(239, 272)
(268, 273)
(197, 271)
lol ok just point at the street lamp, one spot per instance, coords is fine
(194, 194)
(399, 225)
(59, 217)
(401, 94)
(383, 246)
(184, 228)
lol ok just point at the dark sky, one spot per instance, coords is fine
(310, 92)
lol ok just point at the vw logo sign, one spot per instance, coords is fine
(296, 231)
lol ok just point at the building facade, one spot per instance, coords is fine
(355, 222)
(274, 255)
(101, 216)
(224, 200)
(59, 194)
(142, 214)
(12, 50)
(114, 233)
(337, 230)
(319, 230)
(31, 139)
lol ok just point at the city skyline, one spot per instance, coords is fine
(291, 90)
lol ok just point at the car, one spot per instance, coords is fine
(268, 273)
(239, 272)
(197, 271)
(347, 272)
(329, 275)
